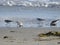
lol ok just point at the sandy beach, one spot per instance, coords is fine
(26, 36)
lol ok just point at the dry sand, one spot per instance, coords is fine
(25, 36)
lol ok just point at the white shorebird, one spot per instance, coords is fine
(20, 24)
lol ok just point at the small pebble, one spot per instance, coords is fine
(12, 31)
(5, 37)
(58, 42)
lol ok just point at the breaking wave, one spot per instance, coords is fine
(30, 4)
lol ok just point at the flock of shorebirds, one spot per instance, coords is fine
(52, 23)
(20, 24)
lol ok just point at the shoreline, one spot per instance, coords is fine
(25, 36)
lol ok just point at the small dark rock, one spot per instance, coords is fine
(5, 37)
(58, 42)
(12, 31)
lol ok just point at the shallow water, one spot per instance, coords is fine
(27, 13)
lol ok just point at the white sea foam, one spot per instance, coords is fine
(31, 3)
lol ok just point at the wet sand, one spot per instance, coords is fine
(25, 36)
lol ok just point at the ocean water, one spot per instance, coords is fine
(28, 15)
